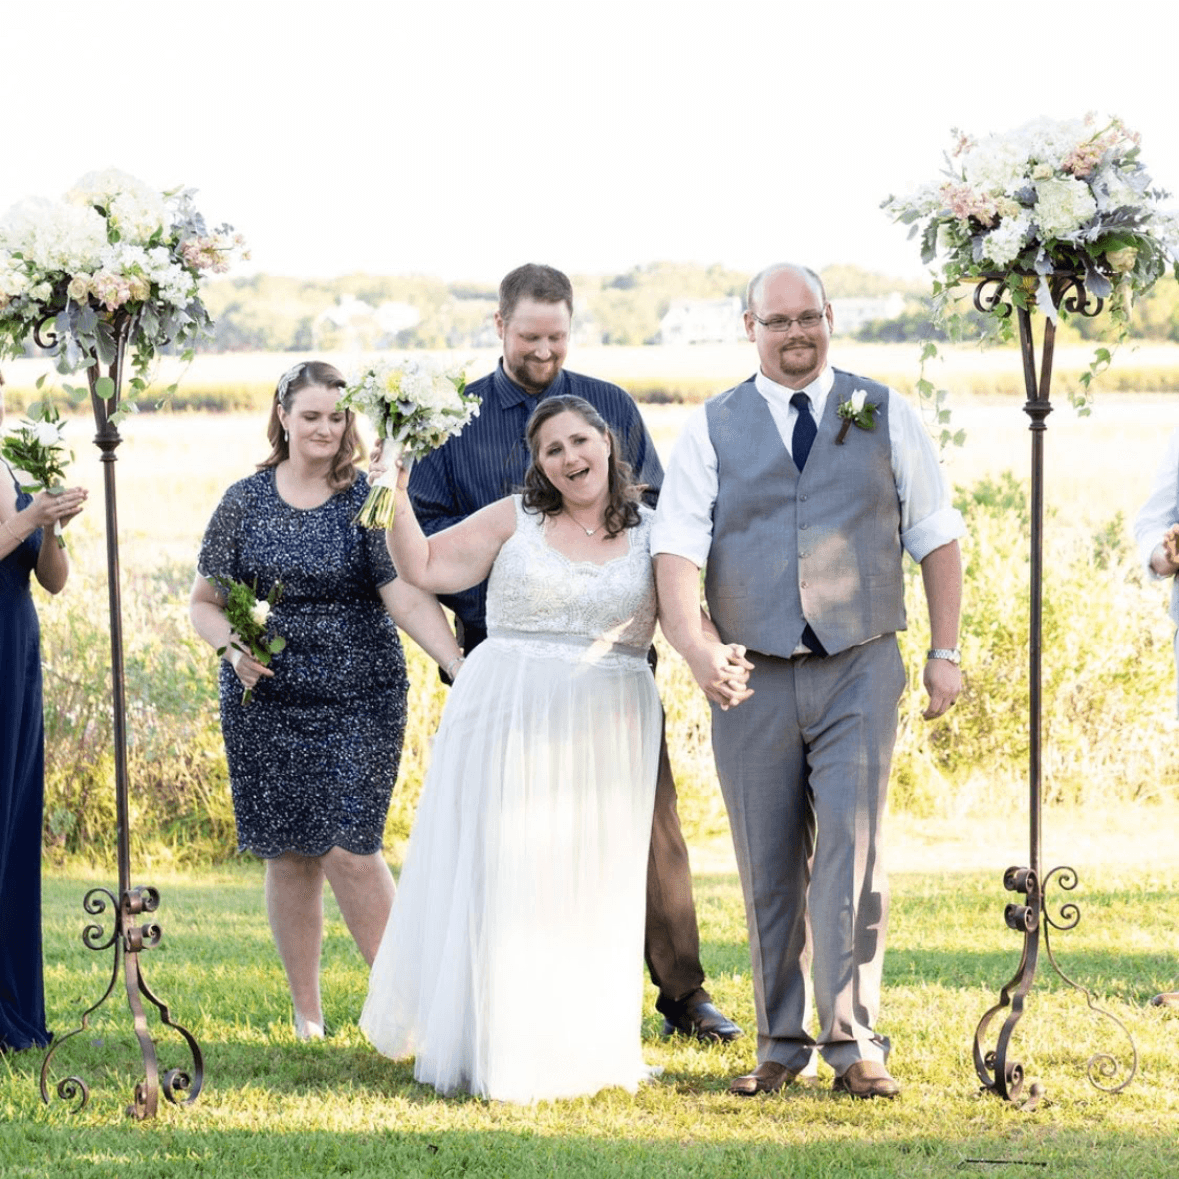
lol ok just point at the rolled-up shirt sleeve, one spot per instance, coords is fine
(683, 520)
(928, 518)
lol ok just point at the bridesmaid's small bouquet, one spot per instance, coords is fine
(248, 615)
(415, 405)
(37, 449)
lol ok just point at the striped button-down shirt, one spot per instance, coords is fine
(488, 459)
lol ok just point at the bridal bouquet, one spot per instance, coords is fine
(113, 251)
(1052, 196)
(415, 405)
(37, 448)
(248, 616)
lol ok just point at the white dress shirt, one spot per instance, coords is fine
(683, 521)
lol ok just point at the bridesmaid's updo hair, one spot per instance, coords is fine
(622, 510)
(305, 375)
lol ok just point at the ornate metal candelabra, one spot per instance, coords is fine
(998, 1072)
(132, 930)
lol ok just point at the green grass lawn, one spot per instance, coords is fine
(274, 1107)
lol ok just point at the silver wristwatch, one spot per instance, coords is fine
(951, 654)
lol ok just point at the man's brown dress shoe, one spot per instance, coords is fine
(766, 1078)
(866, 1078)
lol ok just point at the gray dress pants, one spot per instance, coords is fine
(803, 766)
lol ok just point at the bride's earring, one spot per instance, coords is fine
(286, 436)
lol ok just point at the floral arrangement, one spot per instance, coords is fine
(856, 410)
(113, 249)
(249, 615)
(37, 448)
(1068, 195)
(414, 405)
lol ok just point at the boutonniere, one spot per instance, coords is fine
(857, 408)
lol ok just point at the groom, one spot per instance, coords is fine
(800, 520)
(486, 462)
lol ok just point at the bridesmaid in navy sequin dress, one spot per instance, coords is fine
(313, 757)
(23, 518)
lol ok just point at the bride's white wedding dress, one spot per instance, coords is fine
(522, 898)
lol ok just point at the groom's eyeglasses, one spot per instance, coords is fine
(808, 321)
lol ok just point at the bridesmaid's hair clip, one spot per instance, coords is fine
(284, 382)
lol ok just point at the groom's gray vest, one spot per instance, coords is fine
(822, 546)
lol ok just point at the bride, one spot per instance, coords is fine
(525, 876)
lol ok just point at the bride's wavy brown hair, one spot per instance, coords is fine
(303, 376)
(622, 510)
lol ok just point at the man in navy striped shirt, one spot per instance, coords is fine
(486, 462)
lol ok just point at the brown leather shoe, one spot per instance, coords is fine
(1166, 999)
(766, 1078)
(866, 1078)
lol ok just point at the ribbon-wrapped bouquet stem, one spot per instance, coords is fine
(415, 405)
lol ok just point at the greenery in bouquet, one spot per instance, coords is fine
(1051, 197)
(249, 616)
(37, 449)
(415, 405)
(112, 250)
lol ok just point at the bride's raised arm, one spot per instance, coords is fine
(455, 558)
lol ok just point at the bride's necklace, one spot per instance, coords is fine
(587, 531)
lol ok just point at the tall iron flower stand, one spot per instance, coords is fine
(133, 929)
(999, 1073)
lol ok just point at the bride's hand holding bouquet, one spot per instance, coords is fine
(414, 405)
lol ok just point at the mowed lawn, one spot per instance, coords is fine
(275, 1107)
(272, 1106)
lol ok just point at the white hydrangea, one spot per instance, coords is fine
(1004, 242)
(54, 236)
(1063, 204)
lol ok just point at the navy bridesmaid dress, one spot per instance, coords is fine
(22, 764)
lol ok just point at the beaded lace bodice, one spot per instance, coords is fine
(537, 590)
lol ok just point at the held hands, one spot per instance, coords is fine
(943, 682)
(722, 671)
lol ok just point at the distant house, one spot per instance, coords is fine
(702, 321)
(851, 314)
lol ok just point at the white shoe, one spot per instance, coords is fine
(307, 1029)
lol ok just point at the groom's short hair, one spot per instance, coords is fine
(545, 284)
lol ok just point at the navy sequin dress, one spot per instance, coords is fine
(314, 756)
(22, 786)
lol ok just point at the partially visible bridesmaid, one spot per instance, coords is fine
(24, 520)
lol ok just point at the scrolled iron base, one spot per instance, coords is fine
(999, 1074)
(128, 937)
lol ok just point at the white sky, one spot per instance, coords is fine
(462, 137)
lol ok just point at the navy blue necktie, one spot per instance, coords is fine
(804, 429)
(800, 446)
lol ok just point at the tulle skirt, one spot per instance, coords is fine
(521, 903)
